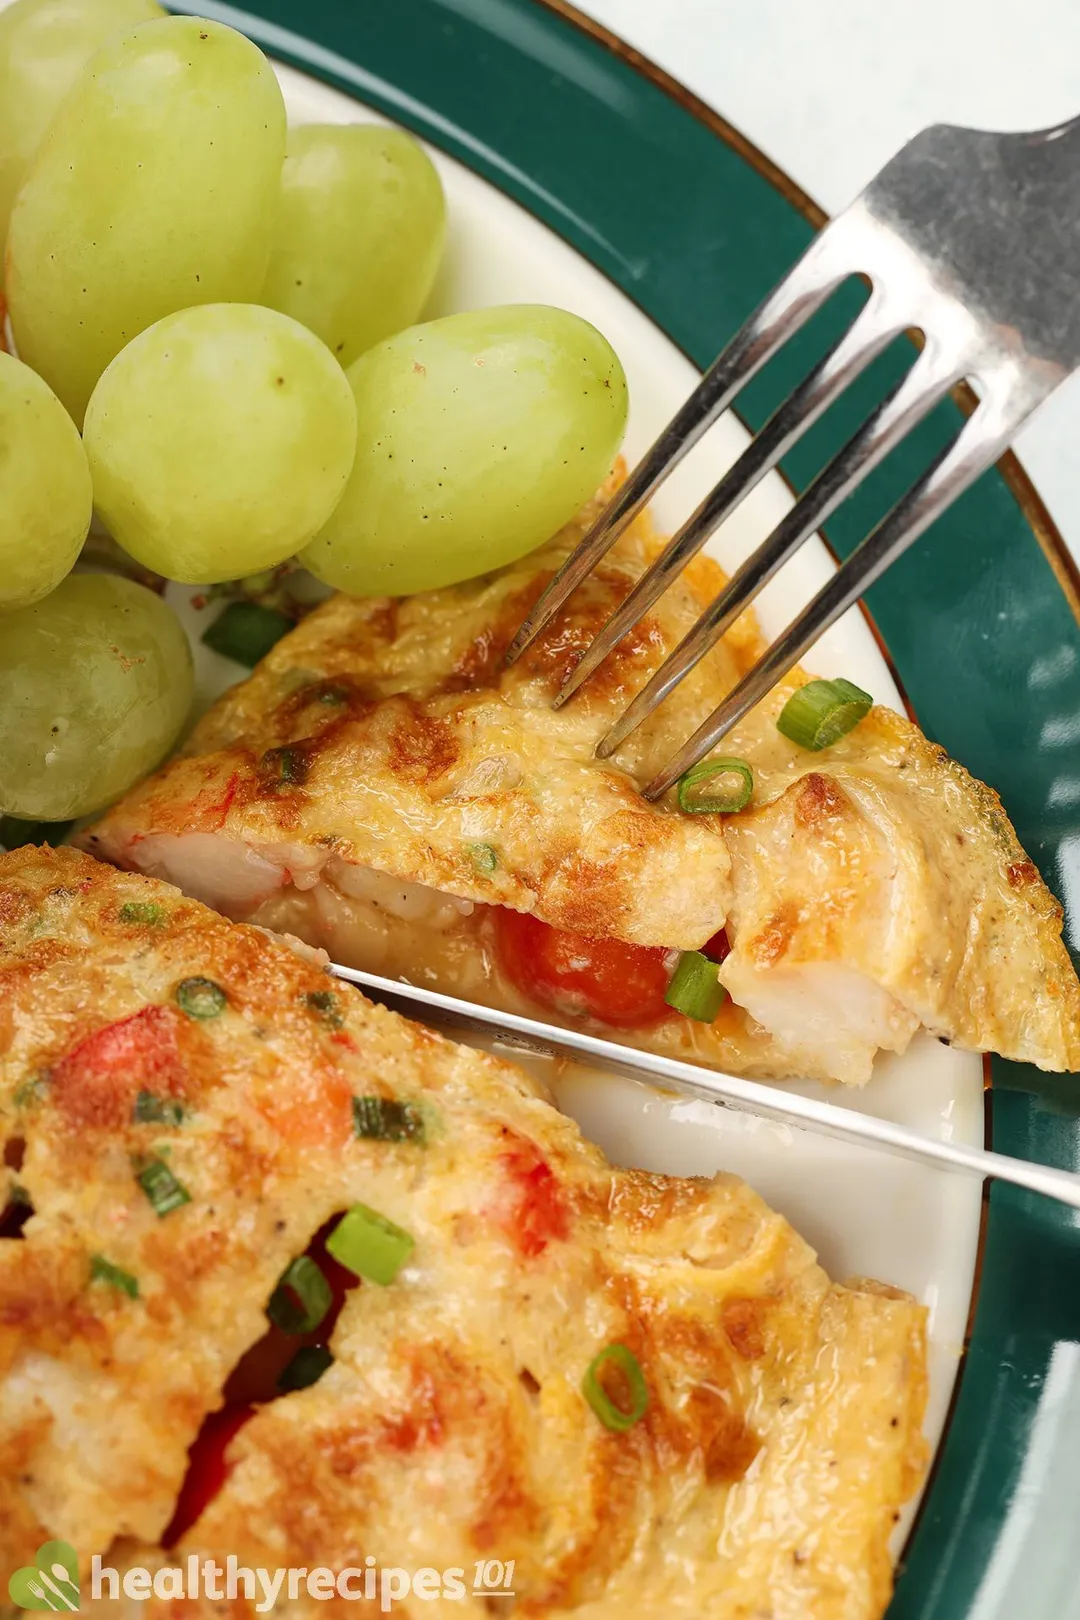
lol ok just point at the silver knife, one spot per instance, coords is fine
(744, 1096)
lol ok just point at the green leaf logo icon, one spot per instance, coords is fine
(50, 1582)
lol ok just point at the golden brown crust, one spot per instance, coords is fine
(888, 856)
(392, 737)
(410, 746)
(454, 1401)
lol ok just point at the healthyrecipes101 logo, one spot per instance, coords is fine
(50, 1582)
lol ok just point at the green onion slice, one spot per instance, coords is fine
(695, 988)
(325, 1003)
(146, 912)
(623, 1415)
(151, 1110)
(31, 1091)
(366, 1243)
(821, 712)
(384, 1120)
(286, 767)
(102, 1270)
(716, 786)
(302, 1297)
(18, 1194)
(305, 1368)
(331, 693)
(245, 632)
(201, 998)
(162, 1188)
(485, 857)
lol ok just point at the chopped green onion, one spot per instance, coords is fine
(31, 1091)
(716, 786)
(302, 1297)
(821, 712)
(384, 1120)
(14, 832)
(695, 988)
(145, 912)
(151, 1110)
(18, 1194)
(330, 693)
(305, 1368)
(485, 857)
(366, 1243)
(245, 632)
(324, 1002)
(201, 998)
(162, 1188)
(286, 766)
(612, 1416)
(102, 1270)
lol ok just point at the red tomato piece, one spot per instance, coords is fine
(252, 1382)
(537, 1213)
(207, 1469)
(97, 1081)
(622, 985)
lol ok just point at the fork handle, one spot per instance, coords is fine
(1010, 242)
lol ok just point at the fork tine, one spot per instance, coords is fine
(866, 338)
(928, 381)
(817, 274)
(979, 443)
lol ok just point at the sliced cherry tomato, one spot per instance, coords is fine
(717, 949)
(623, 985)
(207, 1469)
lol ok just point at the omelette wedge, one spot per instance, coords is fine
(186, 1102)
(384, 787)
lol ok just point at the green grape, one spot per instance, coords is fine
(44, 45)
(360, 234)
(155, 187)
(95, 684)
(478, 436)
(44, 487)
(220, 441)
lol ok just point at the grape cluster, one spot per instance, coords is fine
(214, 322)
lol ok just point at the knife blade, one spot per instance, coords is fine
(727, 1090)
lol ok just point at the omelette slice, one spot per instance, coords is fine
(186, 1102)
(384, 787)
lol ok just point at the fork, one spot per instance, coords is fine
(969, 236)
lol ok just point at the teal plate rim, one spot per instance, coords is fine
(981, 621)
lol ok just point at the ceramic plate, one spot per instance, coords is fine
(578, 175)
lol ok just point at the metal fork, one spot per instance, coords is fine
(969, 236)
